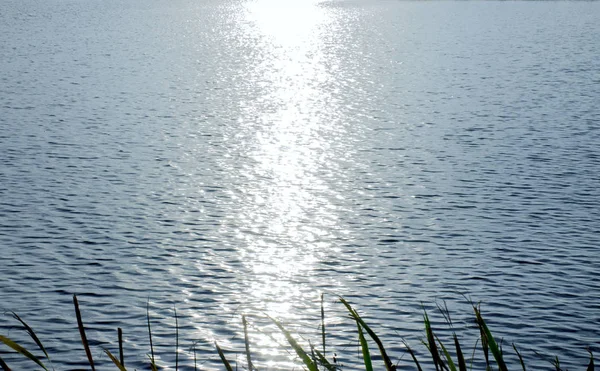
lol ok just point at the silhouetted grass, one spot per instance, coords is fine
(440, 357)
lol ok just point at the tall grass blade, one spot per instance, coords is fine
(121, 354)
(84, 340)
(223, 359)
(31, 334)
(177, 341)
(247, 344)
(447, 355)
(591, 364)
(301, 353)
(115, 360)
(323, 324)
(388, 363)
(365, 348)
(412, 354)
(22, 350)
(4, 365)
(431, 345)
(462, 365)
(496, 351)
(323, 361)
(520, 357)
(153, 363)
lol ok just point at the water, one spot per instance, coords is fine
(229, 157)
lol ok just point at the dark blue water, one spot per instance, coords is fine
(229, 157)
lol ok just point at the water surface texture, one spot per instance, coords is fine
(229, 157)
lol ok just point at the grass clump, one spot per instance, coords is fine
(439, 355)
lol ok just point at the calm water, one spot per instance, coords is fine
(229, 157)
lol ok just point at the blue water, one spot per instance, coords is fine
(229, 157)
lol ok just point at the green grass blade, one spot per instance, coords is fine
(301, 353)
(223, 359)
(447, 355)
(22, 350)
(365, 348)
(388, 363)
(31, 334)
(323, 361)
(115, 360)
(490, 341)
(247, 344)
(520, 357)
(152, 361)
(590, 366)
(84, 340)
(462, 365)
(412, 354)
(431, 345)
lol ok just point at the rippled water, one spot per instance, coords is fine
(228, 157)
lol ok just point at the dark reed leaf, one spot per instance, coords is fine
(446, 354)
(323, 361)
(31, 334)
(520, 357)
(121, 354)
(365, 348)
(431, 345)
(462, 365)
(412, 354)
(152, 362)
(223, 359)
(84, 340)
(247, 344)
(4, 365)
(590, 366)
(323, 324)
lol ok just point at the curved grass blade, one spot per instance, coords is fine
(490, 341)
(22, 350)
(446, 354)
(520, 357)
(388, 363)
(590, 366)
(323, 361)
(152, 362)
(365, 348)
(84, 340)
(247, 344)
(412, 354)
(115, 360)
(301, 353)
(31, 334)
(223, 359)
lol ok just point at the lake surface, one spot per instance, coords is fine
(229, 157)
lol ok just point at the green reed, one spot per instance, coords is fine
(440, 356)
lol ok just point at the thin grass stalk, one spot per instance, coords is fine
(520, 357)
(121, 354)
(4, 365)
(388, 363)
(322, 360)
(84, 340)
(591, 364)
(32, 334)
(22, 350)
(223, 359)
(446, 354)
(153, 363)
(177, 341)
(413, 356)
(365, 349)
(247, 344)
(323, 325)
(431, 345)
